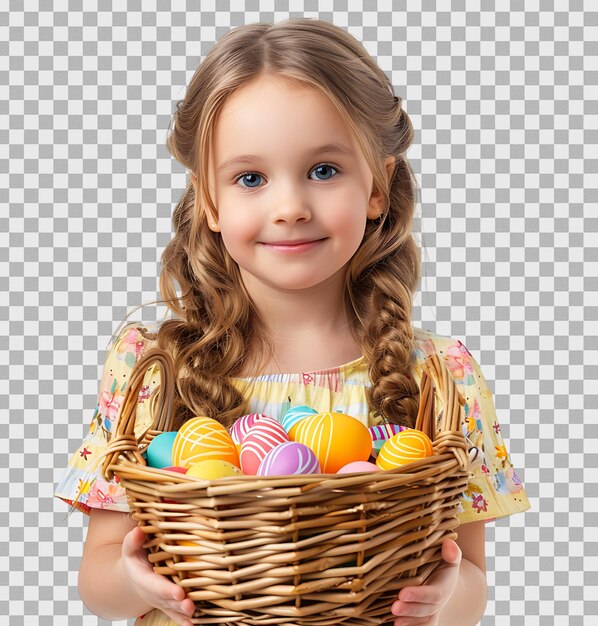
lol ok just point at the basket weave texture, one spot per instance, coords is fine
(313, 549)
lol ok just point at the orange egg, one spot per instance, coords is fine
(404, 447)
(336, 439)
(200, 439)
(187, 543)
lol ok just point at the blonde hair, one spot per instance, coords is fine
(215, 322)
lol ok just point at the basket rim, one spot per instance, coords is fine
(172, 483)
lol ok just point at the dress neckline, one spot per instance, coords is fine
(320, 372)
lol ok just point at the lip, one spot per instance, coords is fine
(291, 242)
(299, 245)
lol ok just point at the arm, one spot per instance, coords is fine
(468, 601)
(114, 598)
(469, 598)
(456, 592)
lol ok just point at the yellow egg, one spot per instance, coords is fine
(211, 469)
(202, 438)
(336, 439)
(404, 447)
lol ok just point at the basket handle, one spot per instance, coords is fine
(435, 374)
(123, 441)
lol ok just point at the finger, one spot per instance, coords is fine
(179, 618)
(183, 604)
(133, 540)
(433, 591)
(451, 552)
(151, 586)
(413, 609)
(411, 621)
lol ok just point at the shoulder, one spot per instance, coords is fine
(134, 337)
(461, 364)
(428, 342)
(128, 343)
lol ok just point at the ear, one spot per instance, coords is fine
(211, 219)
(376, 204)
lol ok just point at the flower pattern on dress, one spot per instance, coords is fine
(144, 394)
(307, 379)
(83, 487)
(131, 346)
(103, 494)
(458, 360)
(110, 406)
(479, 504)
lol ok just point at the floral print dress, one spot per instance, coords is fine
(495, 489)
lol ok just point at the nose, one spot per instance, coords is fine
(291, 205)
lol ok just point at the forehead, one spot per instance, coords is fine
(273, 117)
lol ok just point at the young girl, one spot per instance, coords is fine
(294, 253)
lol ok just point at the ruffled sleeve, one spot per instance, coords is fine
(495, 488)
(82, 485)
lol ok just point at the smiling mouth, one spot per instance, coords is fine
(295, 247)
(299, 242)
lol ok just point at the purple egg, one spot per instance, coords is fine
(287, 458)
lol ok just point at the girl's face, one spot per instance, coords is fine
(276, 181)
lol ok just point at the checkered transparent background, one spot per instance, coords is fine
(504, 103)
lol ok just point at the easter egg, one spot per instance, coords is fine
(294, 415)
(287, 458)
(179, 470)
(212, 469)
(176, 468)
(262, 437)
(189, 558)
(382, 433)
(201, 438)
(336, 438)
(159, 451)
(358, 466)
(404, 447)
(242, 426)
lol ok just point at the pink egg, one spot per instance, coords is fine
(177, 468)
(261, 438)
(287, 458)
(358, 466)
(382, 433)
(180, 470)
(242, 426)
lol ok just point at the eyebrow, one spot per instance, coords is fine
(328, 148)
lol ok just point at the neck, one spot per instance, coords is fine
(290, 315)
(307, 328)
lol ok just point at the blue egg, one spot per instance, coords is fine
(296, 414)
(159, 452)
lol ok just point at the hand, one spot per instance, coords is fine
(155, 589)
(425, 602)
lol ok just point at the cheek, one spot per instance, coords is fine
(351, 227)
(237, 233)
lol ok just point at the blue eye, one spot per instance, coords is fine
(247, 175)
(325, 165)
(255, 175)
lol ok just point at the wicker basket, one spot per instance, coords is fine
(312, 549)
